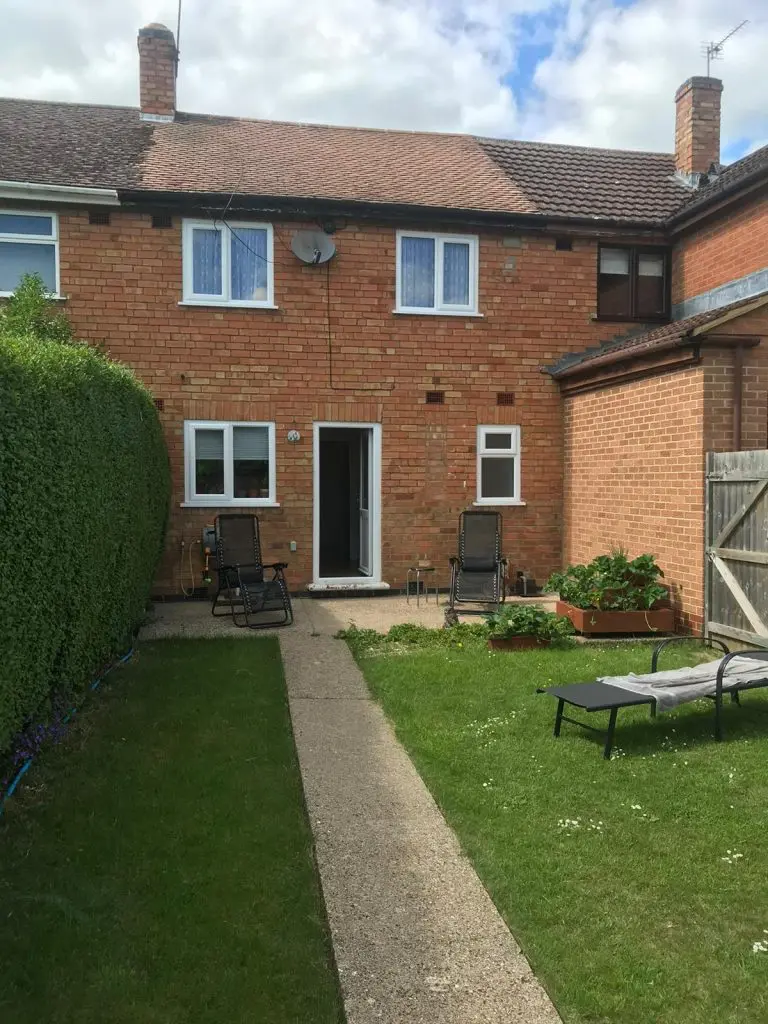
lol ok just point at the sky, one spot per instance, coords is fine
(586, 72)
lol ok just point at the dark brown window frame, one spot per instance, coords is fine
(634, 250)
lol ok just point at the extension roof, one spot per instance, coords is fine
(671, 335)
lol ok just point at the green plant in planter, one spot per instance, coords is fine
(611, 582)
(528, 620)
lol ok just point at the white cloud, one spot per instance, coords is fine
(428, 64)
(431, 64)
(613, 73)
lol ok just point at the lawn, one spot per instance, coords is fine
(157, 866)
(637, 887)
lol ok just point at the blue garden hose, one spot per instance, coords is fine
(28, 763)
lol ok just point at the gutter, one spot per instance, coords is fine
(34, 192)
(306, 206)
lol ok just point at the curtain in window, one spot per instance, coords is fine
(614, 261)
(456, 274)
(250, 456)
(20, 258)
(249, 264)
(417, 270)
(206, 261)
(209, 461)
(650, 265)
(250, 443)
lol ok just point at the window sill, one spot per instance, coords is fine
(499, 501)
(435, 312)
(227, 305)
(253, 503)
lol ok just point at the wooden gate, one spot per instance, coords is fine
(736, 581)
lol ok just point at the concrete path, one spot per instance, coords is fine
(416, 936)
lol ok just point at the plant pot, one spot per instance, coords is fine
(516, 643)
(593, 621)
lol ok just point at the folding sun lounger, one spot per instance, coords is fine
(732, 674)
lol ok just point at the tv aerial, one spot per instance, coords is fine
(714, 51)
(313, 247)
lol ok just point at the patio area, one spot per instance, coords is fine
(320, 616)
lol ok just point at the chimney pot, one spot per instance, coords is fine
(158, 64)
(697, 126)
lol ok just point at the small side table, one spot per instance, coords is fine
(418, 574)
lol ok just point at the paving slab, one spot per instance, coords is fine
(416, 936)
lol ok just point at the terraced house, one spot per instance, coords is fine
(360, 333)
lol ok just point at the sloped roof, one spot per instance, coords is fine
(111, 147)
(576, 181)
(639, 343)
(74, 144)
(730, 178)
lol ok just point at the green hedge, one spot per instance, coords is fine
(84, 488)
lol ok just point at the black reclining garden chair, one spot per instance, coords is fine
(478, 573)
(603, 696)
(251, 588)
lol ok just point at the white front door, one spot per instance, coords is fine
(346, 534)
(364, 502)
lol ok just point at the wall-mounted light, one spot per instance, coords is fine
(294, 437)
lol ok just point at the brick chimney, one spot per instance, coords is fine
(158, 60)
(697, 126)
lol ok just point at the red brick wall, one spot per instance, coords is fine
(634, 477)
(719, 389)
(722, 249)
(635, 458)
(123, 283)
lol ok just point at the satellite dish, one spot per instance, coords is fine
(313, 246)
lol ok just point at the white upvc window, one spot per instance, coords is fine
(498, 466)
(228, 264)
(29, 244)
(436, 273)
(229, 463)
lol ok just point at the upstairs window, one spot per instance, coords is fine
(436, 273)
(227, 264)
(229, 463)
(29, 244)
(632, 284)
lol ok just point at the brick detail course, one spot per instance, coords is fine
(697, 125)
(721, 250)
(157, 71)
(123, 284)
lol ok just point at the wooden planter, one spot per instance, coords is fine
(516, 643)
(593, 621)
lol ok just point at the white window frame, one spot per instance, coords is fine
(498, 453)
(226, 499)
(225, 230)
(53, 238)
(440, 308)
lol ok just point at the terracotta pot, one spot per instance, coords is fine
(592, 621)
(516, 643)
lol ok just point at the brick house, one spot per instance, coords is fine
(553, 331)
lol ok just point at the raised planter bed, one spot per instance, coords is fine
(594, 621)
(516, 643)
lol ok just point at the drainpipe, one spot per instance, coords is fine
(738, 395)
